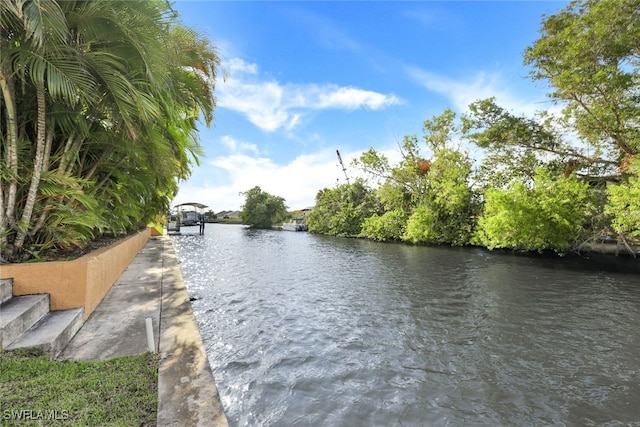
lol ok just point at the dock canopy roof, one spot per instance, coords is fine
(195, 205)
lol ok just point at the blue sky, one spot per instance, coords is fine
(301, 79)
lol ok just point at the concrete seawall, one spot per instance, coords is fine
(187, 394)
(152, 287)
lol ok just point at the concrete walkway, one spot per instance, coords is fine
(152, 287)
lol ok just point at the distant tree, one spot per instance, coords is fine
(426, 198)
(261, 209)
(342, 210)
(444, 214)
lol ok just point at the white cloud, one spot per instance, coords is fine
(239, 146)
(481, 86)
(235, 65)
(270, 105)
(351, 98)
(297, 181)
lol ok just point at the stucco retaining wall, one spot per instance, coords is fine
(82, 282)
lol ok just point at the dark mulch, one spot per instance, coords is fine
(74, 252)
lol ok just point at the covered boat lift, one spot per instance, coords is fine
(182, 216)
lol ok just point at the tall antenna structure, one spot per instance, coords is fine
(342, 165)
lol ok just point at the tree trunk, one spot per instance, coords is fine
(38, 164)
(45, 167)
(8, 183)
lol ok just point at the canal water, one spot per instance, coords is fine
(302, 329)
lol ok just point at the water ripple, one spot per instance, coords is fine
(310, 330)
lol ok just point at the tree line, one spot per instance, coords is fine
(99, 106)
(547, 182)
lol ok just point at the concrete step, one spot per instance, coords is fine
(52, 333)
(20, 313)
(6, 290)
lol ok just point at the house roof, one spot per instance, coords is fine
(228, 213)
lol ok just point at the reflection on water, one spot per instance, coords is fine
(310, 330)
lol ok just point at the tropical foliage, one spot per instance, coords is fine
(549, 214)
(261, 209)
(424, 199)
(588, 53)
(624, 204)
(342, 210)
(100, 101)
(391, 225)
(551, 181)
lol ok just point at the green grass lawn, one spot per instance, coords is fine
(36, 391)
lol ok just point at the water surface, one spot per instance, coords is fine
(303, 330)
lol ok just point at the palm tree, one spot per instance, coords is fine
(100, 116)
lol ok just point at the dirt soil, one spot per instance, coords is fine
(76, 252)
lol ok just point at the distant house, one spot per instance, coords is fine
(228, 214)
(298, 222)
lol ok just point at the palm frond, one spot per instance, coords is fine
(44, 22)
